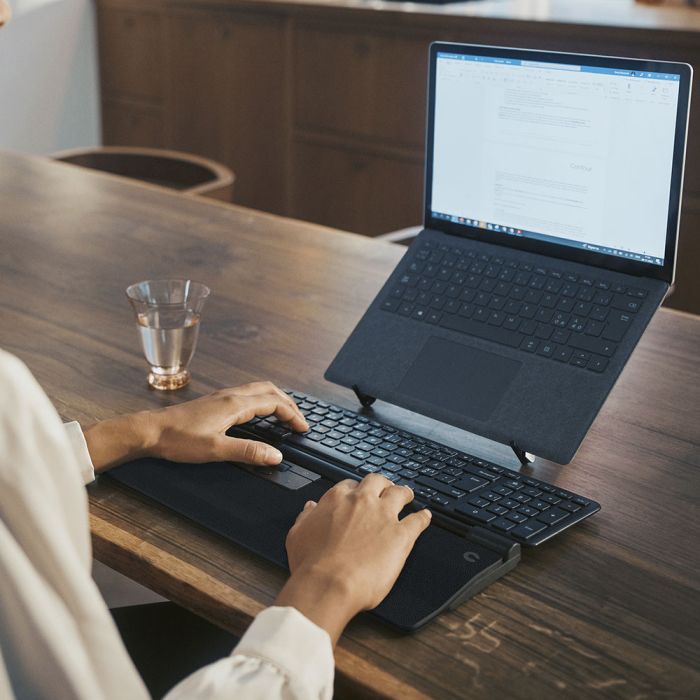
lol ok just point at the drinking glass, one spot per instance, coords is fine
(167, 315)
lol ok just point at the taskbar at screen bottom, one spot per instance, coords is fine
(522, 233)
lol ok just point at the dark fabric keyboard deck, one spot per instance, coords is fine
(560, 315)
(462, 486)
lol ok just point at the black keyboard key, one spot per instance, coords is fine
(388, 475)
(617, 326)
(625, 303)
(440, 501)
(498, 510)
(594, 328)
(447, 489)
(547, 349)
(563, 354)
(423, 492)
(503, 524)
(528, 530)
(598, 364)
(570, 506)
(510, 483)
(599, 313)
(474, 513)
(456, 462)
(485, 331)
(481, 472)
(479, 502)
(517, 517)
(544, 331)
(390, 467)
(552, 516)
(529, 512)
(367, 469)
(470, 483)
(593, 345)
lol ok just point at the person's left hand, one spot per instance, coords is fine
(195, 431)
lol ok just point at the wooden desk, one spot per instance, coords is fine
(609, 609)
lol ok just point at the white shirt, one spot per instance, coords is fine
(57, 638)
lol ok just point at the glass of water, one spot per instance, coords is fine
(167, 315)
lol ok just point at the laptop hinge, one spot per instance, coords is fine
(363, 398)
(524, 458)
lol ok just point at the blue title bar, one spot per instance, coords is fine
(559, 66)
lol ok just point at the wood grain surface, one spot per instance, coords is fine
(609, 609)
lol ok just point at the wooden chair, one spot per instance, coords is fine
(189, 174)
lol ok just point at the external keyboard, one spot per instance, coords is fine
(452, 483)
(558, 314)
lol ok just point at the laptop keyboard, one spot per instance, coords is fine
(461, 486)
(570, 318)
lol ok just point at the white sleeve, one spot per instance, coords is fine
(282, 656)
(80, 450)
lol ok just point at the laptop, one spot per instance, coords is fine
(517, 210)
(552, 199)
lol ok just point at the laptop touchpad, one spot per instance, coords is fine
(460, 379)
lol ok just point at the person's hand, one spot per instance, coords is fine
(346, 551)
(195, 431)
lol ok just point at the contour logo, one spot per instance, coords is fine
(470, 557)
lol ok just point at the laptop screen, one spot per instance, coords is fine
(557, 152)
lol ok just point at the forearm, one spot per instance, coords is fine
(120, 439)
(321, 598)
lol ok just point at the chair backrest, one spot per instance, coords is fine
(187, 173)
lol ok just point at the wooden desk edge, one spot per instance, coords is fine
(194, 589)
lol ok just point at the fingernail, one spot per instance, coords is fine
(273, 456)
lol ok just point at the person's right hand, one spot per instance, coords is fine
(346, 551)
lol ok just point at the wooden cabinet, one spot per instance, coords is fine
(359, 83)
(355, 190)
(131, 51)
(686, 295)
(205, 82)
(129, 124)
(225, 88)
(359, 126)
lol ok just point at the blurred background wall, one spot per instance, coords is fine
(49, 88)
